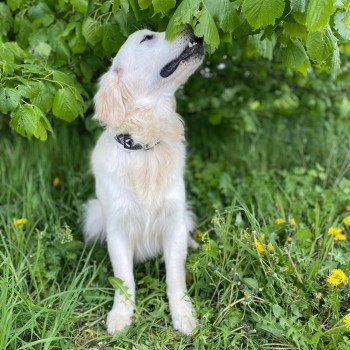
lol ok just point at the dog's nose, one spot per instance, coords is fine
(188, 32)
(188, 29)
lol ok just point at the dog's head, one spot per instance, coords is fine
(146, 68)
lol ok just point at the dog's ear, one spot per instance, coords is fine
(110, 99)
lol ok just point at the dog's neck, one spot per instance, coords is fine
(151, 123)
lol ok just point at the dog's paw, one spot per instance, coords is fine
(183, 317)
(119, 317)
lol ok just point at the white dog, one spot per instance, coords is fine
(138, 163)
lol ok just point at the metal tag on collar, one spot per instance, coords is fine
(128, 143)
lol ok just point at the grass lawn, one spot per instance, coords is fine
(256, 283)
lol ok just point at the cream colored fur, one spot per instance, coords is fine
(140, 209)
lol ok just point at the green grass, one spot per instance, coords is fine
(55, 292)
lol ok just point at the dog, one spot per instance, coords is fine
(138, 163)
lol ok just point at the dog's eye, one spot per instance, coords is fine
(147, 37)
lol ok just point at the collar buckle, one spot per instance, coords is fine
(128, 143)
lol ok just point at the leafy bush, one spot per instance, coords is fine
(51, 52)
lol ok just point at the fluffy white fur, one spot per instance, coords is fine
(140, 210)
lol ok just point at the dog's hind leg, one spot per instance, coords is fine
(190, 226)
(94, 223)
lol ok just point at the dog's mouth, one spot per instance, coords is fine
(194, 49)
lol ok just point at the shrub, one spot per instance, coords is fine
(51, 52)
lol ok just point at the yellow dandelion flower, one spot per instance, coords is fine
(340, 237)
(56, 181)
(346, 320)
(292, 222)
(289, 238)
(270, 247)
(333, 231)
(258, 245)
(280, 221)
(336, 277)
(263, 236)
(22, 221)
(346, 220)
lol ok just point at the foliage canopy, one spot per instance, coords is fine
(51, 52)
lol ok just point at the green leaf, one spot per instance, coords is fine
(251, 282)
(342, 24)
(346, 20)
(115, 7)
(300, 17)
(14, 4)
(260, 13)
(124, 4)
(29, 89)
(90, 30)
(80, 5)
(320, 45)
(6, 19)
(15, 49)
(225, 12)
(43, 50)
(334, 63)
(119, 284)
(294, 54)
(298, 5)
(6, 54)
(23, 27)
(77, 43)
(144, 4)
(295, 30)
(9, 99)
(228, 17)
(256, 46)
(318, 14)
(45, 122)
(112, 39)
(277, 311)
(25, 119)
(304, 67)
(29, 120)
(278, 333)
(65, 105)
(243, 28)
(40, 132)
(63, 77)
(163, 5)
(206, 28)
(182, 15)
(44, 98)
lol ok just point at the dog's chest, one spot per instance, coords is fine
(147, 234)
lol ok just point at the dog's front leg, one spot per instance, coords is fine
(121, 256)
(175, 251)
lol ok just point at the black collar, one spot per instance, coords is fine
(128, 143)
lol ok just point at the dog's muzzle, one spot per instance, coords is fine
(194, 49)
